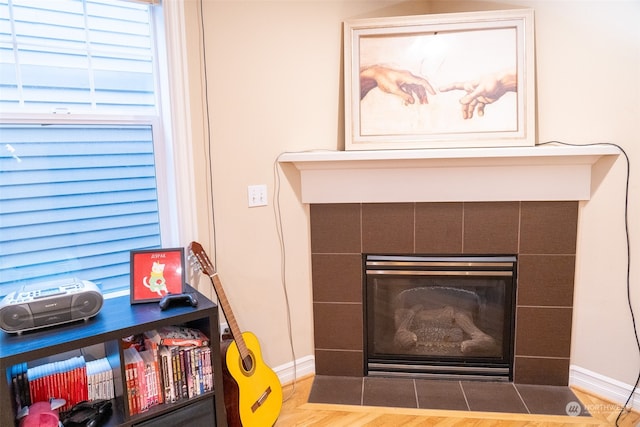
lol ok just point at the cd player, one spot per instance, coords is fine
(49, 303)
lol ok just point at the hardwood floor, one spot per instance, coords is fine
(296, 411)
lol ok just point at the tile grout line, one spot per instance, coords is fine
(466, 402)
(521, 398)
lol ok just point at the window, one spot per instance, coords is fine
(82, 152)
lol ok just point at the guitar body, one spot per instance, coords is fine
(252, 392)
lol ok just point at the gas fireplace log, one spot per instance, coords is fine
(404, 338)
(479, 342)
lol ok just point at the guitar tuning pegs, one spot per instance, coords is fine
(194, 262)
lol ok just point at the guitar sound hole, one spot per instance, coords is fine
(247, 363)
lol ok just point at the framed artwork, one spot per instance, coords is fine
(156, 273)
(440, 81)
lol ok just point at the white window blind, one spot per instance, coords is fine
(75, 200)
(74, 55)
(78, 149)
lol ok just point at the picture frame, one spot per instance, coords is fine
(156, 273)
(450, 80)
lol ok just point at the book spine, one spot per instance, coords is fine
(141, 385)
(110, 392)
(66, 388)
(189, 372)
(209, 369)
(90, 380)
(177, 375)
(194, 371)
(83, 392)
(23, 381)
(167, 375)
(184, 388)
(156, 367)
(131, 372)
(67, 384)
(199, 370)
(130, 390)
(34, 383)
(150, 389)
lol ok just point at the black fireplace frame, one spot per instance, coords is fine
(441, 266)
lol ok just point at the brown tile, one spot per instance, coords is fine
(493, 397)
(438, 394)
(336, 278)
(548, 227)
(541, 371)
(543, 331)
(338, 326)
(337, 390)
(438, 228)
(394, 392)
(387, 228)
(335, 228)
(491, 227)
(339, 362)
(551, 400)
(445, 395)
(546, 280)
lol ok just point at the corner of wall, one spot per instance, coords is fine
(602, 386)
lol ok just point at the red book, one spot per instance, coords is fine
(141, 383)
(131, 371)
(131, 391)
(84, 390)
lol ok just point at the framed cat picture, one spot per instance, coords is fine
(156, 273)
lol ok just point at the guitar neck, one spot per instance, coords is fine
(207, 267)
(228, 314)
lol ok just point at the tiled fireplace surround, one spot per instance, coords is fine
(541, 233)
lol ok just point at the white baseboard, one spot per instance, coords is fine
(605, 387)
(289, 372)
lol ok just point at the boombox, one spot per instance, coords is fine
(48, 304)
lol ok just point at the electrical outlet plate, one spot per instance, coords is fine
(257, 195)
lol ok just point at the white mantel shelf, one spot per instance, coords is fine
(543, 172)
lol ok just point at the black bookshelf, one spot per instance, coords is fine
(116, 320)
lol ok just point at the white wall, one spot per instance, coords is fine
(274, 78)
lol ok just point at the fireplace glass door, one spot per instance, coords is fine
(440, 317)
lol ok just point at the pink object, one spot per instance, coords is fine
(41, 414)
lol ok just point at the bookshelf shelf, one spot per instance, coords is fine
(119, 319)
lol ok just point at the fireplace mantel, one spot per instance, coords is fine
(548, 172)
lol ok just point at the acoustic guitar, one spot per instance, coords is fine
(252, 390)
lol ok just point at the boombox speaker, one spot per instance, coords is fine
(48, 304)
